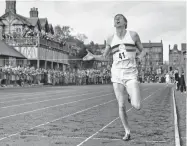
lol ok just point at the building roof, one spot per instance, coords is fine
(172, 51)
(43, 21)
(149, 45)
(18, 22)
(146, 45)
(24, 19)
(19, 17)
(156, 44)
(175, 50)
(7, 50)
(33, 21)
(44, 24)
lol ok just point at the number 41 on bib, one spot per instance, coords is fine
(122, 55)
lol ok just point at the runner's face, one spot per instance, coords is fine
(119, 21)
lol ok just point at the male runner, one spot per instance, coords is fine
(124, 45)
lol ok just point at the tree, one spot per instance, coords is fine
(57, 32)
(63, 32)
(92, 43)
(81, 37)
(66, 30)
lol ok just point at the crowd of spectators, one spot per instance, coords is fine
(31, 37)
(29, 76)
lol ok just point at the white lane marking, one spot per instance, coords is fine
(52, 106)
(47, 100)
(31, 94)
(40, 93)
(52, 90)
(41, 101)
(96, 138)
(109, 123)
(177, 137)
(44, 93)
(54, 120)
(8, 136)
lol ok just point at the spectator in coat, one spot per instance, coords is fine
(182, 83)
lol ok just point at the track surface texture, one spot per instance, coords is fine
(86, 116)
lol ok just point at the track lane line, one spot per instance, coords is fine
(75, 137)
(177, 137)
(52, 106)
(36, 94)
(112, 121)
(8, 136)
(4, 107)
(47, 100)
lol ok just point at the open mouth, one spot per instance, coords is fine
(118, 22)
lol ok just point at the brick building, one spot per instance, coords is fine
(154, 56)
(177, 58)
(33, 37)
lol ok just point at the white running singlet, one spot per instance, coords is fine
(124, 53)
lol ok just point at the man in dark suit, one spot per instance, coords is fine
(182, 83)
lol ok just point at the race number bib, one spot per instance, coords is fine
(122, 54)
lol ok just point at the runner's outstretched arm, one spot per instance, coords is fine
(103, 57)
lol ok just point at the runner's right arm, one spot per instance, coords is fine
(104, 56)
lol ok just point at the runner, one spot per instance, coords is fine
(124, 45)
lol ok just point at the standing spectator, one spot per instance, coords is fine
(1, 76)
(182, 83)
(177, 80)
(87, 77)
(49, 82)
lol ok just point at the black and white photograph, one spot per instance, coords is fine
(93, 73)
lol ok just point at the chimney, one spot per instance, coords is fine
(34, 13)
(169, 47)
(10, 6)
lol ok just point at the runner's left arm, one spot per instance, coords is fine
(139, 45)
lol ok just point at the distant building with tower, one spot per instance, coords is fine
(177, 58)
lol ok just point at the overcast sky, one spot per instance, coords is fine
(153, 20)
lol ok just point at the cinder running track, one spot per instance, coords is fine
(84, 116)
